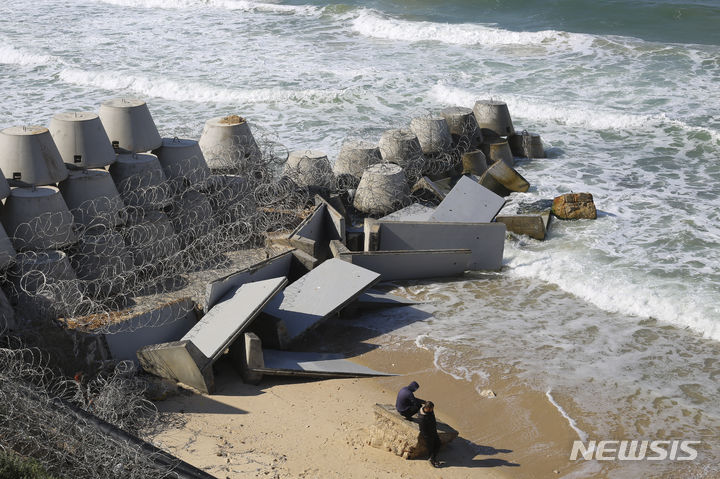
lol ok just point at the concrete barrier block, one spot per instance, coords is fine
(180, 361)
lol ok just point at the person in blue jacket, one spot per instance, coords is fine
(407, 404)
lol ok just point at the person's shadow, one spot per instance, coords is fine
(464, 453)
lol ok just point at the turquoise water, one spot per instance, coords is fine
(624, 94)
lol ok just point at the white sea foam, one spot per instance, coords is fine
(10, 55)
(189, 91)
(581, 434)
(239, 5)
(373, 24)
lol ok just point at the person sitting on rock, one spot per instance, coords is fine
(407, 404)
(428, 432)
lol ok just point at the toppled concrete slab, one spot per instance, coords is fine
(227, 319)
(320, 365)
(486, 240)
(506, 176)
(395, 434)
(378, 299)
(415, 264)
(414, 212)
(165, 323)
(535, 226)
(468, 202)
(315, 296)
(190, 360)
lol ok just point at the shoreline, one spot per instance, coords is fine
(287, 427)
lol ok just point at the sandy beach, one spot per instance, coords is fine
(288, 428)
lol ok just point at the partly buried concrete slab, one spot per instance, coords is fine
(317, 295)
(167, 322)
(190, 359)
(396, 434)
(535, 226)
(485, 240)
(321, 365)
(468, 202)
(416, 264)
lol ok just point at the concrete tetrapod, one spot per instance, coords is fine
(82, 140)
(93, 199)
(402, 147)
(228, 144)
(354, 158)
(183, 162)
(465, 131)
(493, 118)
(141, 181)
(382, 190)
(29, 154)
(37, 218)
(310, 168)
(433, 134)
(128, 122)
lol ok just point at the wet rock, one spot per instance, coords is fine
(573, 206)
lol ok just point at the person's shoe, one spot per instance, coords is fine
(435, 463)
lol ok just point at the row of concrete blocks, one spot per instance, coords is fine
(383, 173)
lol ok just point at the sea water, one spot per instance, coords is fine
(622, 314)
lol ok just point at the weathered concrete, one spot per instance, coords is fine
(507, 176)
(486, 240)
(7, 251)
(310, 168)
(466, 133)
(92, 198)
(372, 299)
(141, 181)
(183, 163)
(354, 157)
(180, 361)
(166, 323)
(227, 143)
(395, 434)
(498, 150)
(433, 133)
(150, 237)
(319, 365)
(474, 162)
(191, 217)
(573, 206)
(382, 190)
(468, 202)
(4, 186)
(315, 296)
(527, 145)
(535, 226)
(414, 212)
(227, 319)
(412, 264)
(37, 219)
(102, 256)
(493, 118)
(372, 232)
(29, 154)
(82, 140)
(128, 122)
(247, 357)
(426, 190)
(402, 147)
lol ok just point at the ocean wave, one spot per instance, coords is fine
(581, 434)
(239, 5)
(10, 55)
(576, 116)
(374, 24)
(189, 91)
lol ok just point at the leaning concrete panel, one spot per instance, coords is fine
(420, 264)
(323, 365)
(317, 295)
(167, 323)
(179, 361)
(486, 240)
(274, 267)
(414, 212)
(227, 319)
(468, 202)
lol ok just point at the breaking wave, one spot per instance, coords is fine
(195, 92)
(10, 55)
(240, 5)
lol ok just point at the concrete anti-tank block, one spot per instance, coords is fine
(82, 140)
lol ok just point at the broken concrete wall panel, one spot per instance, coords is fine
(534, 226)
(313, 227)
(419, 264)
(324, 365)
(334, 220)
(166, 323)
(274, 267)
(468, 202)
(486, 240)
(179, 361)
(307, 261)
(316, 296)
(225, 321)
